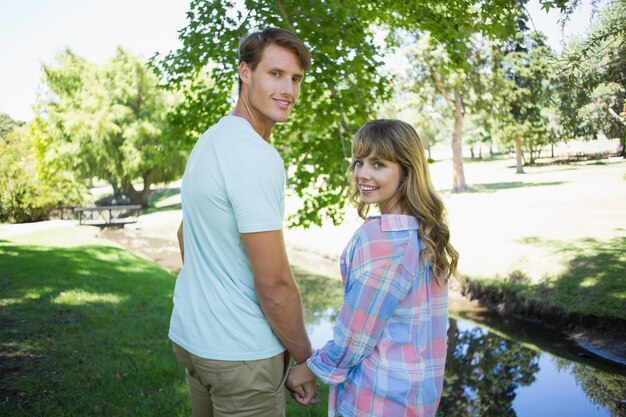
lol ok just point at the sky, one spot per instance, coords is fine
(32, 31)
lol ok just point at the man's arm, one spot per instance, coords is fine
(277, 291)
(181, 242)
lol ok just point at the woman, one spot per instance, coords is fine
(388, 352)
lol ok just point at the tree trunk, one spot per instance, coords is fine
(622, 121)
(518, 155)
(138, 197)
(458, 181)
(115, 184)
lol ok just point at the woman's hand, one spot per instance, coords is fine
(302, 383)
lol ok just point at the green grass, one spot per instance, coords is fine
(593, 283)
(83, 331)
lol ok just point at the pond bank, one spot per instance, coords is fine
(603, 337)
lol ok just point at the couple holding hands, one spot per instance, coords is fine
(237, 317)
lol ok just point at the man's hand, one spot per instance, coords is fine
(302, 384)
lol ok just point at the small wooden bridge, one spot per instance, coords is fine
(107, 216)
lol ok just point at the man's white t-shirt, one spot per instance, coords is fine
(233, 183)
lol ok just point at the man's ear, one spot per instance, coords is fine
(245, 72)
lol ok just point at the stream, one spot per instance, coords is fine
(502, 367)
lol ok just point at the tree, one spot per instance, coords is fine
(7, 124)
(435, 75)
(113, 121)
(341, 92)
(528, 93)
(593, 79)
(33, 178)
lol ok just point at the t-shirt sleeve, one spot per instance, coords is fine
(255, 184)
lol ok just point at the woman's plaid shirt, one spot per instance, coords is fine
(388, 353)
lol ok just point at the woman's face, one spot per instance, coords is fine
(378, 181)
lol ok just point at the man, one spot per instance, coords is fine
(236, 304)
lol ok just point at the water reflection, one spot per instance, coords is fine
(492, 374)
(483, 372)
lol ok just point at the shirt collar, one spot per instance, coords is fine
(397, 222)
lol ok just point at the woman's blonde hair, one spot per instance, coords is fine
(397, 141)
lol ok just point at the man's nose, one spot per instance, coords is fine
(286, 87)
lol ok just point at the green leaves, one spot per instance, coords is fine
(338, 95)
(116, 115)
(593, 93)
(345, 87)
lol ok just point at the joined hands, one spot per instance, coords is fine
(302, 384)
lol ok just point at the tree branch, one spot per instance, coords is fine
(621, 120)
(440, 88)
(283, 12)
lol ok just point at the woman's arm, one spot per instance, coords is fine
(368, 305)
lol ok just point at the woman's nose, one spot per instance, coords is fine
(362, 172)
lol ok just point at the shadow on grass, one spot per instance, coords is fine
(594, 282)
(493, 187)
(84, 332)
(161, 194)
(150, 210)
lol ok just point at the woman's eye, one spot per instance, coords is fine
(378, 165)
(358, 163)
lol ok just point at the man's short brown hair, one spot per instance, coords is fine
(252, 46)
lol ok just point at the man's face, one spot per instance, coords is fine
(274, 86)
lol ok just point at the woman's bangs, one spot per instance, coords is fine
(380, 148)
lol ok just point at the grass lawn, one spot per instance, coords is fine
(593, 282)
(84, 331)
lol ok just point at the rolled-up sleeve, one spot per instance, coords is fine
(369, 302)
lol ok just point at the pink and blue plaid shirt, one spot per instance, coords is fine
(388, 353)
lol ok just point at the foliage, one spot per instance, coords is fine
(113, 121)
(528, 94)
(33, 179)
(593, 80)
(7, 124)
(341, 92)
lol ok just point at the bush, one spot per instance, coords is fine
(29, 191)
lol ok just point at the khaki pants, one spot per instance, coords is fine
(235, 388)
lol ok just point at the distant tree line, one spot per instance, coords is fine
(475, 73)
